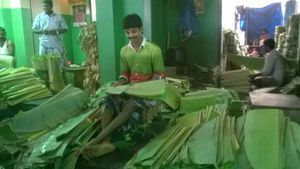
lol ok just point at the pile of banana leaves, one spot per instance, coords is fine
(197, 109)
(231, 43)
(19, 85)
(48, 68)
(52, 135)
(205, 76)
(259, 139)
(49, 135)
(237, 80)
(154, 90)
(204, 134)
(199, 100)
(182, 85)
(252, 63)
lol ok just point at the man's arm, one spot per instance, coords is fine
(36, 26)
(158, 65)
(50, 32)
(62, 27)
(120, 82)
(37, 31)
(125, 72)
(269, 64)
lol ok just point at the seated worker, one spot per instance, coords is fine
(254, 53)
(7, 50)
(140, 61)
(272, 72)
(264, 36)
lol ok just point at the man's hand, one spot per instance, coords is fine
(45, 32)
(119, 83)
(253, 76)
(50, 32)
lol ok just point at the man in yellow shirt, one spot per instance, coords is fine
(140, 61)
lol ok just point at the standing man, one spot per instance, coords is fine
(273, 70)
(50, 25)
(140, 61)
(7, 50)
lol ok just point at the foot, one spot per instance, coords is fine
(94, 151)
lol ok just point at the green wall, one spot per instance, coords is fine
(165, 18)
(204, 48)
(68, 38)
(15, 21)
(111, 36)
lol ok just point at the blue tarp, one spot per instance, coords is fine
(188, 21)
(254, 20)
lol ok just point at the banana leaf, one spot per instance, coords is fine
(182, 85)
(47, 116)
(263, 138)
(292, 160)
(154, 89)
(51, 147)
(162, 151)
(202, 145)
(214, 143)
(70, 159)
(19, 85)
(39, 63)
(296, 135)
(201, 99)
(241, 159)
(226, 142)
(155, 145)
(254, 63)
(56, 82)
(49, 142)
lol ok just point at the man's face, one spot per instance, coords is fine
(134, 34)
(47, 8)
(2, 36)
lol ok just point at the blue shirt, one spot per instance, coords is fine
(54, 21)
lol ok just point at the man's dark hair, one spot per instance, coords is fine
(2, 29)
(49, 2)
(132, 21)
(270, 43)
